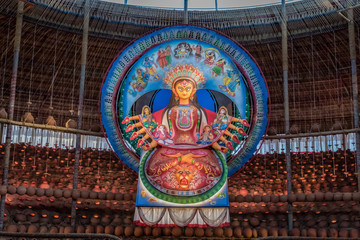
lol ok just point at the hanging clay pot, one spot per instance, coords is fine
(3, 113)
(70, 123)
(50, 121)
(27, 117)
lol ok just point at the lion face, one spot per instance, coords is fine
(184, 175)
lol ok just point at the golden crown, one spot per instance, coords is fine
(184, 71)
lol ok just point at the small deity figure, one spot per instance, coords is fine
(198, 51)
(182, 50)
(221, 121)
(147, 119)
(150, 67)
(231, 82)
(206, 137)
(140, 80)
(162, 135)
(162, 58)
(168, 55)
(210, 57)
(218, 68)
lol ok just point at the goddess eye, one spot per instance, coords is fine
(181, 89)
(188, 89)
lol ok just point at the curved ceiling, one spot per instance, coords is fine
(201, 4)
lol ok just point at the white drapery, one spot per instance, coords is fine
(191, 217)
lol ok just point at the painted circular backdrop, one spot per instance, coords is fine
(137, 77)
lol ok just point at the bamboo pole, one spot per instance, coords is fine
(286, 107)
(17, 41)
(352, 48)
(81, 105)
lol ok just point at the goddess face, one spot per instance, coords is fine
(146, 110)
(207, 128)
(184, 89)
(184, 175)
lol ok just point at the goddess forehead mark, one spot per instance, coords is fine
(184, 83)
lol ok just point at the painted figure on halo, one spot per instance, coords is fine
(231, 82)
(147, 119)
(141, 78)
(206, 136)
(221, 120)
(162, 135)
(162, 58)
(198, 52)
(150, 67)
(210, 56)
(182, 50)
(168, 54)
(182, 121)
(218, 68)
(139, 82)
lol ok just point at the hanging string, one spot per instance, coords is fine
(32, 67)
(53, 74)
(73, 80)
(293, 72)
(313, 71)
(5, 62)
(336, 68)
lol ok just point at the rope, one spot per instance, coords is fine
(53, 73)
(73, 80)
(5, 62)
(32, 67)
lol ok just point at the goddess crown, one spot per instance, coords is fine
(184, 71)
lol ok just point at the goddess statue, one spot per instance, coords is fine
(185, 137)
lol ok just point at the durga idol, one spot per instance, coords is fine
(183, 157)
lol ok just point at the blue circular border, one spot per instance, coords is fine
(243, 60)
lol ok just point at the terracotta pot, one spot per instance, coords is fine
(354, 233)
(247, 232)
(75, 194)
(90, 229)
(49, 192)
(119, 231)
(3, 190)
(166, 231)
(11, 189)
(84, 194)
(263, 232)
(80, 229)
(176, 231)
(156, 232)
(68, 229)
(3, 113)
(50, 121)
(100, 229)
(343, 233)
(237, 232)
(295, 232)
(21, 190)
(12, 228)
(58, 193)
(53, 229)
(209, 232)
(219, 232)
(148, 230)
